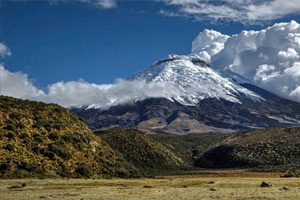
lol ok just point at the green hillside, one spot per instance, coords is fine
(141, 150)
(38, 139)
(274, 148)
(192, 146)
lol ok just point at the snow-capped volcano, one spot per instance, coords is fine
(194, 80)
(183, 94)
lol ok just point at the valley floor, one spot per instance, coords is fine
(233, 185)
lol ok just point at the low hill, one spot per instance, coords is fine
(140, 149)
(192, 146)
(273, 148)
(40, 139)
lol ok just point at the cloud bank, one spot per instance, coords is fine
(4, 50)
(245, 11)
(78, 93)
(81, 93)
(17, 85)
(270, 57)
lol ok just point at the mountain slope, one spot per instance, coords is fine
(40, 139)
(274, 147)
(205, 101)
(144, 152)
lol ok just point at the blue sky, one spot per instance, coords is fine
(54, 41)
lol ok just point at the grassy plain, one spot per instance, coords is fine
(227, 184)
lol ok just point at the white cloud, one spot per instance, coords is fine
(4, 50)
(106, 4)
(270, 57)
(79, 93)
(289, 55)
(293, 71)
(265, 72)
(208, 43)
(17, 85)
(169, 13)
(296, 93)
(236, 10)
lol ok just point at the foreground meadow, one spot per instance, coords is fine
(237, 184)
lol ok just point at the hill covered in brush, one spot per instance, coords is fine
(40, 139)
(140, 149)
(191, 146)
(273, 148)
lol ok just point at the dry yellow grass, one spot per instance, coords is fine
(233, 185)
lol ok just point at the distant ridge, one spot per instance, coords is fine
(273, 148)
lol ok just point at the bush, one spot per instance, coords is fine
(59, 151)
(38, 138)
(10, 135)
(83, 170)
(9, 147)
(53, 136)
(4, 167)
(49, 154)
(23, 135)
(9, 127)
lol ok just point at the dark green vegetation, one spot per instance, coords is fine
(274, 148)
(145, 152)
(192, 146)
(43, 140)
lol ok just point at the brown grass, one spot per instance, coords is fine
(229, 184)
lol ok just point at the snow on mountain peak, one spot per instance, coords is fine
(194, 80)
